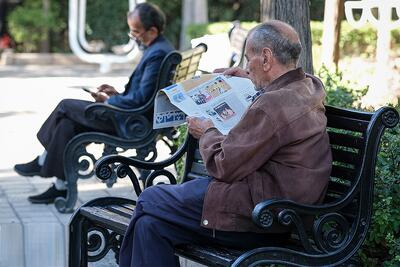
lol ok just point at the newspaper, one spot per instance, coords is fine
(223, 99)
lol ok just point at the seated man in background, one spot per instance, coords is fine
(279, 149)
(146, 23)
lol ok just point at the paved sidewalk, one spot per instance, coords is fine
(36, 235)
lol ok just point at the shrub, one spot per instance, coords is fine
(29, 26)
(382, 245)
(340, 93)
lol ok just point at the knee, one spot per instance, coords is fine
(65, 103)
(146, 224)
(149, 194)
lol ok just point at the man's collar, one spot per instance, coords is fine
(157, 39)
(285, 79)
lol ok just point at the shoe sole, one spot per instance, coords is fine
(42, 201)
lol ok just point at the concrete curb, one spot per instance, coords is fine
(8, 57)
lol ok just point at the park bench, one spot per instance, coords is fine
(327, 234)
(138, 131)
(237, 38)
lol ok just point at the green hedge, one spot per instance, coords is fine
(382, 246)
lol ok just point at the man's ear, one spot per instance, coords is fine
(154, 31)
(267, 58)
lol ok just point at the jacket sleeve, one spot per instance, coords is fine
(137, 97)
(243, 151)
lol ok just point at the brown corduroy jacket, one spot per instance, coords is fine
(279, 150)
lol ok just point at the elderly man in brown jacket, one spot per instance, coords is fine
(279, 149)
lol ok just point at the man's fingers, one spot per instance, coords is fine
(220, 70)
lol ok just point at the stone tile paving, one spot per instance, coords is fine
(36, 235)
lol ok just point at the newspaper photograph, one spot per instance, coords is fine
(223, 99)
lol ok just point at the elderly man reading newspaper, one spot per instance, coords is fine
(278, 149)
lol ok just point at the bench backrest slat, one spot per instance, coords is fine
(189, 63)
(346, 123)
(346, 140)
(343, 173)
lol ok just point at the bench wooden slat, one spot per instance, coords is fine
(129, 206)
(345, 140)
(343, 173)
(191, 176)
(345, 156)
(197, 155)
(208, 255)
(199, 168)
(107, 218)
(120, 210)
(338, 188)
(345, 123)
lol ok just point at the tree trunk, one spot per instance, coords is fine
(333, 15)
(45, 42)
(193, 12)
(297, 14)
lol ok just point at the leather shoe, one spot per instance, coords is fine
(48, 196)
(31, 168)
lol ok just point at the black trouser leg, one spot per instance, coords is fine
(66, 121)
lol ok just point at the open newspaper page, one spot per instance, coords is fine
(223, 99)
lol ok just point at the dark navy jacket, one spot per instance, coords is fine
(142, 82)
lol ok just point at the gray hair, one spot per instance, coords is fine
(267, 35)
(150, 16)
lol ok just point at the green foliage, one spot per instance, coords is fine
(172, 10)
(230, 10)
(198, 30)
(340, 93)
(106, 22)
(383, 241)
(180, 164)
(354, 41)
(382, 245)
(29, 25)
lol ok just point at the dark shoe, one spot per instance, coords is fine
(49, 196)
(31, 168)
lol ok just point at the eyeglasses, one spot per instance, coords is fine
(133, 37)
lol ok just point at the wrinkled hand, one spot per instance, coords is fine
(198, 126)
(236, 71)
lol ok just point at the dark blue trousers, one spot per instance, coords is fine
(170, 215)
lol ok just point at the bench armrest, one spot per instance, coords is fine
(133, 124)
(104, 170)
(302, 218)
(97, 110)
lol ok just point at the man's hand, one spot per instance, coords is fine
(100, 97)
(198, 126)
(220, 70)
(107, 89)
(235, 71)
(104, 92)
